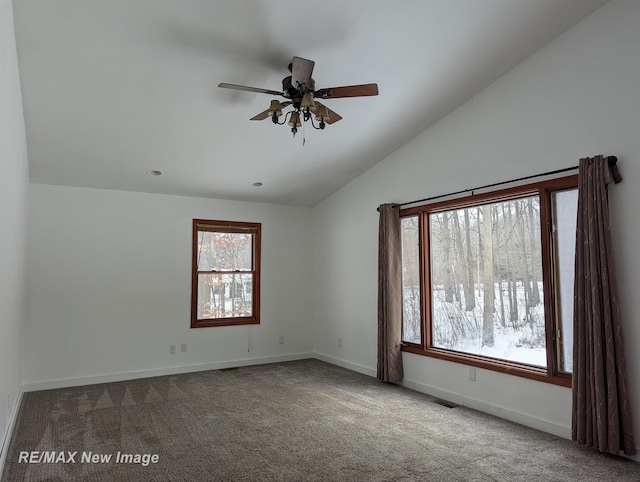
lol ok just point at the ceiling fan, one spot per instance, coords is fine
(299, 89)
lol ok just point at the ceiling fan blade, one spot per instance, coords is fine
(347, 91)
(249, 89)
(261, 116)
(301, 71)
(265, 114)
(333, 117)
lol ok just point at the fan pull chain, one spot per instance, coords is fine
(304, 134)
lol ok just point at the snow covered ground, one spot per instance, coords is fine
(455, 329)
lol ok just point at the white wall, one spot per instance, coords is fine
(579, 96)
(13, 216)
(108, 273)
(109, 283)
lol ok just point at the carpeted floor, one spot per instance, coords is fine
(295, 421)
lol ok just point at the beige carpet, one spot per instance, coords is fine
(294, 421)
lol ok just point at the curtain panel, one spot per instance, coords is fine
(601, 415)
(389, 295)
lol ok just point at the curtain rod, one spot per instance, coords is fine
(612, 164)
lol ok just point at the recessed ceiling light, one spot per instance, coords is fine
(154, 173)
(257, 184)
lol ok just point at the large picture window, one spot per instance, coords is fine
(225, 273)
(488, 279)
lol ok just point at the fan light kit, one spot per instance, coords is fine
(299, 89)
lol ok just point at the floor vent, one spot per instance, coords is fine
(444, 403)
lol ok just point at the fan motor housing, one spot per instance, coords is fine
(291, 92)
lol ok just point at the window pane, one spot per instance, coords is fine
(224, 251)
(411, 326)
(565, 208)
(486, 281)
(224, 295)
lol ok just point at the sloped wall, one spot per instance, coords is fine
(579, 96)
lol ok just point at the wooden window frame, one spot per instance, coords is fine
(255, 230)
(550, 374)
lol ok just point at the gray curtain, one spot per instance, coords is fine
(601, 415)
(389, 295)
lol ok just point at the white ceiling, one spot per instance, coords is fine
(115, 88)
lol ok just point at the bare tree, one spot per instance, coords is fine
(471, 302)
(487, 278)
(535, 292)
(498, 266)
(459, 261)
(447, 259)
(512, 281)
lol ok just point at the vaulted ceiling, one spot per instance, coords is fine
(113, 89)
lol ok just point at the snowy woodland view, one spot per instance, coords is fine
(486, 279)
(225, 278)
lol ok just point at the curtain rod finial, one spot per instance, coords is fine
(615, 172)
(393, 206)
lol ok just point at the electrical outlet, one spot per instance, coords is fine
(281, 341)
(172, 349)
(339, 342)
(472, 374)
(183, 348)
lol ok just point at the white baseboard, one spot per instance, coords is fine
(496, 410)
(476, 404)
(345, 364)
(117, 377)
(4, 447)
(480, 405)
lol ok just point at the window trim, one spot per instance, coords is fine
(544, 189)
(234, 227)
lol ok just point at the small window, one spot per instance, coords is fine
(565, 208)
(225, 273)
(411, 316)
(487, 280)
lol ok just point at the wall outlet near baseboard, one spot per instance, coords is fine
(281, 340)
(183, 348)
(472, 374)
(172, 349)
(339, 342)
